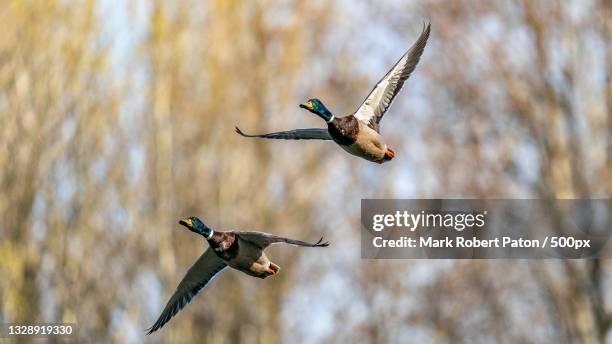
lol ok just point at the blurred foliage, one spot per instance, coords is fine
(116, 120)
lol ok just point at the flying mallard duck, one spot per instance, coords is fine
(240, 250)
(359, 133)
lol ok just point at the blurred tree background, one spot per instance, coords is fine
(116, 120)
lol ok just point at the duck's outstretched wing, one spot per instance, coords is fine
(197, 277)
(263, 240)
(296, 134)
(378, 101)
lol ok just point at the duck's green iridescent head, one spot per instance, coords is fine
(197, 226)
(316, 106)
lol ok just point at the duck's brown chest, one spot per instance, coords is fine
(344, 130)
(225, 245)
(368, 145)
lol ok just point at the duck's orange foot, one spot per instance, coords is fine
(273, 269)
(389, 154)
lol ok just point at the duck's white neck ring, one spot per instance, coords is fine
(211, 234)
(331, 119)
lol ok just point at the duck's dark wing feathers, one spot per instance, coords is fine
(264, 240)
(296, 134)
(378, 101)
(197, 277)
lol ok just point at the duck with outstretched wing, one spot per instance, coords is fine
(243, 251)
(359, 133)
